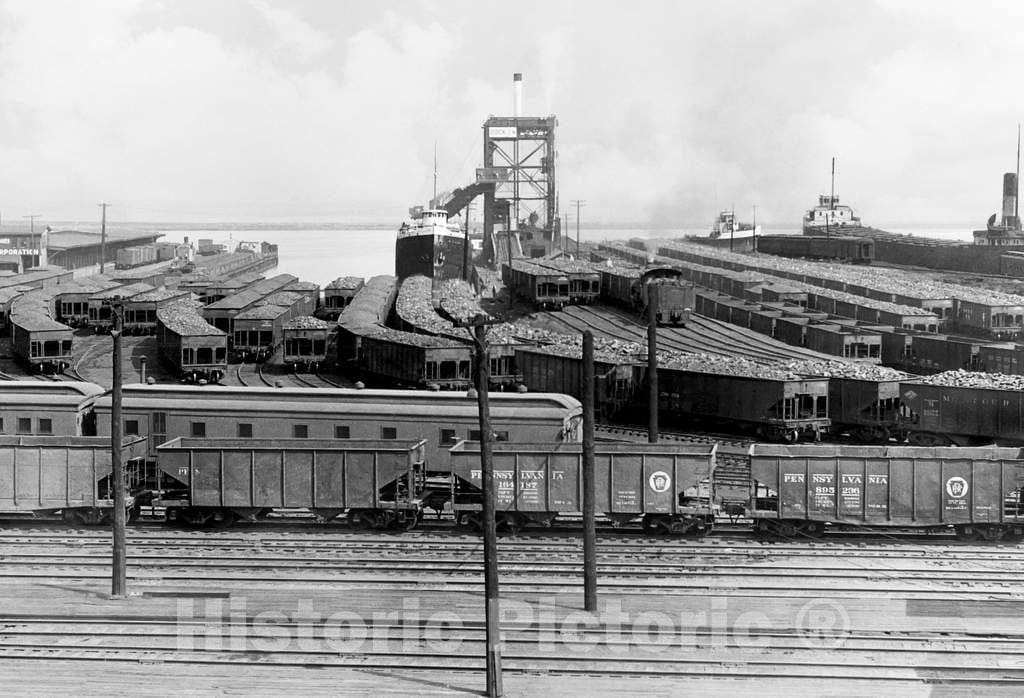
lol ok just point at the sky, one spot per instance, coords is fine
(669, 111)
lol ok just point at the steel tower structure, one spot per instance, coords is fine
(520, 155)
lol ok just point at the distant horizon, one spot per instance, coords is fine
(387, 224)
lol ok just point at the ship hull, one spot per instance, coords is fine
(435, 256)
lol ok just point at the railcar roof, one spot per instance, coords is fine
(37, 321)
(124, 292)
(333, 396)
(262, 312)
(8, 389)
(929, 452)
(253, 293)
(186, 443)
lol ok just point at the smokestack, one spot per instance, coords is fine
(1010, 199)
(517, 94)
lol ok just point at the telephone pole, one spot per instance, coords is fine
(653, 397)
(579, 203)
(118, 577)
(492, 647)
(103, 236)
(589, 484)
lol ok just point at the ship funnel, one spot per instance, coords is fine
(1010, 200)
(517, 94)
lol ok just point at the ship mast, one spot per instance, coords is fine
(433, 201)
(832, 197)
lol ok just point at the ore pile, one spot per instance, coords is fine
(845, 369)
(971, 379)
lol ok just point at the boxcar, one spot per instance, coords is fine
(64, 474)
(36, 408)
(131, 257)
(780, 409)
(305, 342)
(193, 347)
(164, 412)
(663, 486)
(216, 480)
(976, 491)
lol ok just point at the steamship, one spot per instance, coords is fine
(429, 245)
(831, 216)
(726, 226)
(1007, 232)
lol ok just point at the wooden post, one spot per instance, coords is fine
(652, 363)
(118, 580)
(493, 644)
(589, 495)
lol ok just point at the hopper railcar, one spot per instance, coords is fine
(842, 248)
(101, 313)
(70, 476)
(306, 340)
(38, 341)
(664, 487)
(337, 296)
(802, 489)
(552, 283)
(192, 347)
(375, 483)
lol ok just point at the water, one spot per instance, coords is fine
(321, 253)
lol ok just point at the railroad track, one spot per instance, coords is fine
(630, 653)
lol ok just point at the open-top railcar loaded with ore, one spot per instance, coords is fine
(841, 248)
(192, 347)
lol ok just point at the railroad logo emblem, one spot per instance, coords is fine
(910, 394)
(956, 487)
(660, 481)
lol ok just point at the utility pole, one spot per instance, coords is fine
(32, 229)
(492, 647)
(103, 236)
(118, 580)
(465, 246)
(652, 363)
(579, 203)
(589, 494)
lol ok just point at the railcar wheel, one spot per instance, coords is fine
(967, 533)
(411, 520)
(73, 517)
(813, 529)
